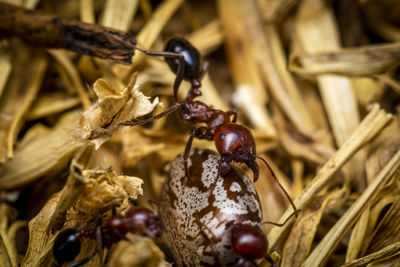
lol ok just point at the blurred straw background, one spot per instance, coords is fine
(316, 81)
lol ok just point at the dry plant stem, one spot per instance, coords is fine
(321, 253)
(360, 61)
(273, 65)
(277, 10)
(55, 149)
(5, 68)
(149, 33)
(73, 75)
(53, 32)
(9, 249)
(87, 11)
(370, 126)
(119, 14)
(40, 242)
(32, 88)
(299, 242)
(72, 189)
(358, 235)
(50, 104)
(243, 63)
(317, 32)
(208, 37)
(391, 250)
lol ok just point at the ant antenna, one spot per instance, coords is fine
(280, 185)
(135, 122)
(181, 66)
(280, 224)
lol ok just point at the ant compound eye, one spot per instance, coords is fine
(221, 137)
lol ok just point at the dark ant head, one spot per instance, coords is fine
(248, 241)
(67, 245)
(139, 221)
(193, 69)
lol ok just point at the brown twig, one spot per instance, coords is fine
(50, 31)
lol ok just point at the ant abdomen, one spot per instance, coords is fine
(193, 69)
(67, 245)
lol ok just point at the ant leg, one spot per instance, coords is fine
(295, 210)
(187, 151)
(233, 113)
(213, 248)
(181, 68)
(135, 122)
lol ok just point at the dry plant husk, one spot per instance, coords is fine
(316, 82)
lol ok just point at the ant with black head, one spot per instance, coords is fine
(140, 221)
(183, 59)
(233, 141)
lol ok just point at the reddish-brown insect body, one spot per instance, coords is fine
(140, 221)
(249, 241)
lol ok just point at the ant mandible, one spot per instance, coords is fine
(140, 221)
(233, 141)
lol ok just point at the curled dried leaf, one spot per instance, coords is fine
(125, 253)
(102, 191)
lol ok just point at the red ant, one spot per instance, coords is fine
(233, 141)
(140, 221)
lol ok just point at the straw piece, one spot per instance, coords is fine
(73, 75)
(369, 127)
(119, 14)
(317, 32)
(208, 37)
(17, 98)
(273, 65)
(40, 243)
(243, 63)
(299, 242)
(390, 251)
(5, 68)
(48, 104)
(87, 11)
(360, 61)
(357, 236)
(277, 10)
(322, 251)
(149, 33)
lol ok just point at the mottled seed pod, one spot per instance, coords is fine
(197, 211)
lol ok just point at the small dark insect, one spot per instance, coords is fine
(140, 221)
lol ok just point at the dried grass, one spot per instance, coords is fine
(322, 102)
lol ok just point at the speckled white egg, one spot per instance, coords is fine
(195, 211)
